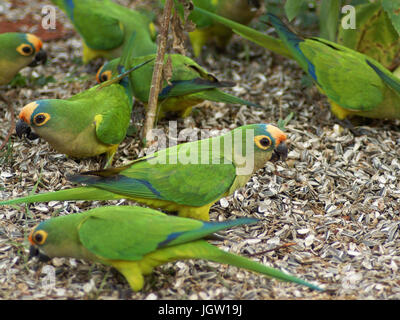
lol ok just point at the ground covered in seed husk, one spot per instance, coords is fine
(329, 214)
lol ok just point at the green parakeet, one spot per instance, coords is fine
(189, 85)
(354, 83)
(19, 50)
(105, 28)
(135, 240)
(88, 124)
(207, 30)
(188, 178)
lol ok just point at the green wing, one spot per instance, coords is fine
(123, 233)
(110, 108)
(391, 80)
(343, 75)
(163, 176)
(113, 119)
(99, 30)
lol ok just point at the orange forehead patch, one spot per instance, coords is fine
(30, 237)
(98, 74)
(277, 134)
(26, 112)
(37, 43)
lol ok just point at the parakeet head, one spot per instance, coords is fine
(259, 143)
(107, 71)
(35, 114)
(268, 138)
(55, 237)
(23, 46)
(48, 118)
(19, 50)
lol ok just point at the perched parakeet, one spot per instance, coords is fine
(88, 124)
(354, 83)
(105, 27)
(207, 30)
(188, 178)
(135, 240)
(19, 50)
(189, 85)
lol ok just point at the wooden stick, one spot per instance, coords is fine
(157, 75)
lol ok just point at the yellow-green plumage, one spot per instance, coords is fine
(18, 50)
(354, 83)
(105, 27)
(88, 124)
(135, 240)
(188, 178)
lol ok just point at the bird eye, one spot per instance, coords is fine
(263, 142)
(41, 118)
(39, 237)
(25, 49)
(105, 76)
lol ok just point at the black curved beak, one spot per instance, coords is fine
(34, 252)
(22, 128)
(40, 58)
(280, 153)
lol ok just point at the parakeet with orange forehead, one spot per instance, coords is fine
(18, 50)
(188, 178)
(135, 240)
(91, 123)
(105, 27)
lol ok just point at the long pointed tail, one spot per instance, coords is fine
(203, 250)
(220, 256)
(270, 43)
(391, 80)
(220, 96)
(284, 32)
(82, 193)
